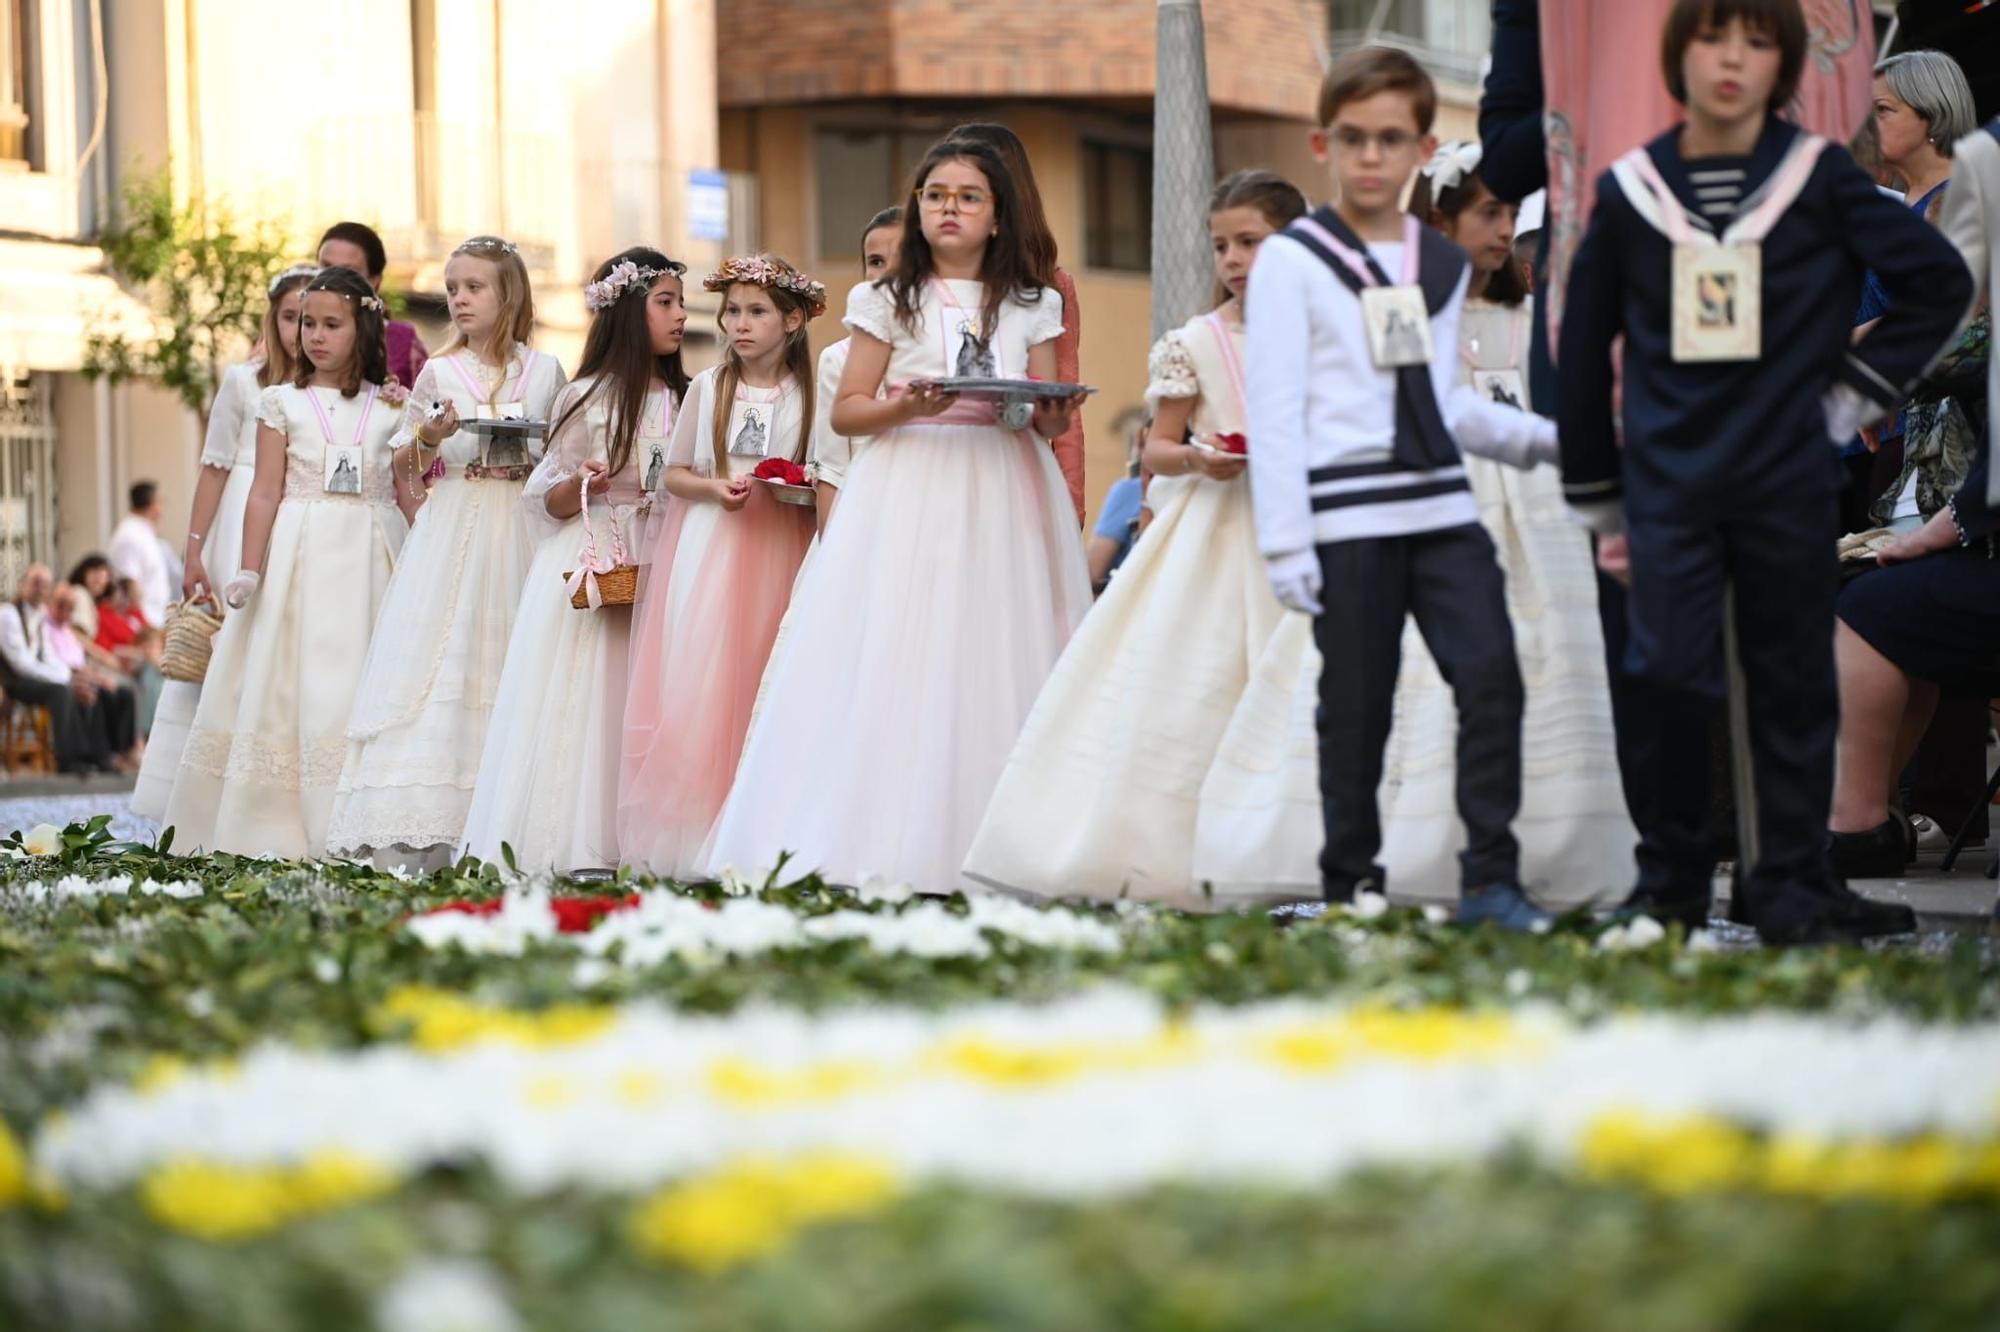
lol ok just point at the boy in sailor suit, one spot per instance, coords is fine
(1359, 491)
(1732, 410)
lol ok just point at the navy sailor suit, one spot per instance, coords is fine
(1729, 470)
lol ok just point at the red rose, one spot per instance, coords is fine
(575, 915)
(782, 470)
(1233, 443)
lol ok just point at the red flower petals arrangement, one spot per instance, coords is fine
(1233, 443)
(574, 915)
(782, 470)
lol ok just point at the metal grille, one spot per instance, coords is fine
(27, 478)
(1183, 169)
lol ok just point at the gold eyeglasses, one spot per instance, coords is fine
(935, 197)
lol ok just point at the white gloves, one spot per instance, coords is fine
(1604, 517)
(1295, 580)
(236, 593)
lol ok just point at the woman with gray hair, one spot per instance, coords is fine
(1923, 106)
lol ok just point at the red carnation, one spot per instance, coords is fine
(1233, 443)
(780, 469)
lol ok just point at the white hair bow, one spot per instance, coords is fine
(1450, 165)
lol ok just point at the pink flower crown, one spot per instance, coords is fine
(762, 272)
(624, 276)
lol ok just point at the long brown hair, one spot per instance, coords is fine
(1507, 285)
(618, 351)
(370, 363)
(1041, 240)
(1005, 270)
(517, 299)
(280, 361)
(797, 361)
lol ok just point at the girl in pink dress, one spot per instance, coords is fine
(714, 598)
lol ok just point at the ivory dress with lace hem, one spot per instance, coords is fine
(548, 773)
(263, 758)
(421, 713)
(231, 447)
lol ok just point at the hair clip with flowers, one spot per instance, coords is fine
(372, 303)
(295, 271)
(626, 275)
(762, 271)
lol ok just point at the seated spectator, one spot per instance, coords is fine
(33, 675)
(92, 574)
(1119, 520)
(1928, 621)
(117, 698)
(151, 645)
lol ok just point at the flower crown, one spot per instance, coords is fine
(295, 271)
(1450, 165)
(762, 272)
(478, 243)
(625, 275)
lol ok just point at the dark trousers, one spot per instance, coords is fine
(1451, 583)
(79, 733)
(1780, 560)
(120, 707)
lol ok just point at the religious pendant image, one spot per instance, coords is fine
(1501, 386)
(753, 429)
(343, 471)
(1399, 327)
(656, 466)
(496, 451)
(975, 358)
(1718, 306)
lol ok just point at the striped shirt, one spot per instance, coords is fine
(1718, 187)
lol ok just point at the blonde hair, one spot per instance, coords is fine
(517, 298)
(797, 363)
(280, 361)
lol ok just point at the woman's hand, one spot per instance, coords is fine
(194, 582)
(733, 493)
(1940, 533)
(438, 429)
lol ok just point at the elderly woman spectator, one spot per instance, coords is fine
(1929, 620)
(1922, 107)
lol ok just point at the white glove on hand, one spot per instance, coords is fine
(1295, 580)
(1604, 517)
(1846, 412)
(236, 593)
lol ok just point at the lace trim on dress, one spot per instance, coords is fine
(870, 310)
(271, 409)
(245, 756)
(1170, 371)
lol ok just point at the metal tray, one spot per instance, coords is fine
(789, 494)
(1010, 390)
(497, 429)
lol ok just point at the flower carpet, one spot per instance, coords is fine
(239, 1094)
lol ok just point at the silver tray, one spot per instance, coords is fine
(789, 494)
(1009, 390)
(497, 429)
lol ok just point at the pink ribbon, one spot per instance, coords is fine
(590, 563)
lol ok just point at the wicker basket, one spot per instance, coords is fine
(616, 586)
(190, 635)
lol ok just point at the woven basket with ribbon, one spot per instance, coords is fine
(600, 582)
(190, 636)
